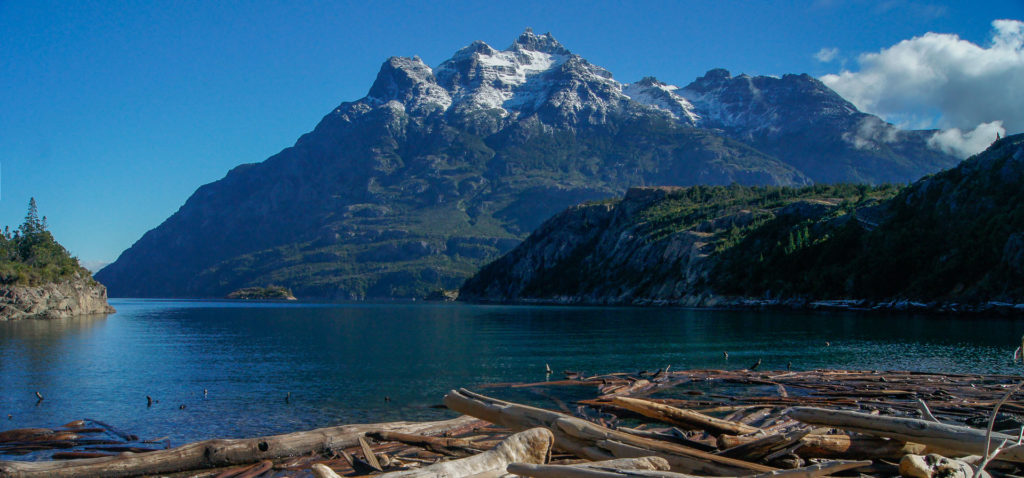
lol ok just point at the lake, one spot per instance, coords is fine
(340, 361)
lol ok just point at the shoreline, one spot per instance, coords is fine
(1006, 309)
(735, 421)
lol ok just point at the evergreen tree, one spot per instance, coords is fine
(30, 255)
(32, 225)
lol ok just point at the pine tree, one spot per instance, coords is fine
(32, 226)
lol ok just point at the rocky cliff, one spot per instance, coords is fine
(438, 170)
(952, 238)
(59, 300)
(655, 245)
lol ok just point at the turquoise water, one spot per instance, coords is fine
(340, 361)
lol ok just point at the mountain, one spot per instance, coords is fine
(438, 170)
(953, 237)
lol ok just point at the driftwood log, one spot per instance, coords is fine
(682, 417)
(762, 447)
(593, 470)
(954, 438)
(816, 470)
(619, 468)
(219, 453)
(840, 447)
(440, 445)
(594, 442)
(530, 446)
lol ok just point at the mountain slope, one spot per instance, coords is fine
(954, 236)
(436, 171)
(801, 121)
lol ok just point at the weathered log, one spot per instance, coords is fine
(593, 471)
(650, 466)
(619, 449)
(368, 455)
(124, 435)
(78, 455)
(530, 446)
(219, 453)
(587, 440)
(685, 418)
(762, 447)
(440, 445)
(816, 470)
(256, 470)
(673, 436)
(939, 435)
(839, 447)
(618, 389)
(856, 447)
(26, 434)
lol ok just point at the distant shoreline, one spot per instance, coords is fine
(751, 304)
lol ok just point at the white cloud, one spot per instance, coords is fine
(958, 143)
(871, 132)
(826, 55)
(940, 80)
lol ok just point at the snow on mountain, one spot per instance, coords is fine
(410, 84)
(538, 75)
(479, 76)
(763, 104)
(649, 91)
(535, 70)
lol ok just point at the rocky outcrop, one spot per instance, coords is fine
(70, 298)
(605, 253)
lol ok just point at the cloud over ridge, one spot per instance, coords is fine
(940, 80)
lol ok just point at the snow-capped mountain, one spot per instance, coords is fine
(651, 92)
(440, 169)
(535, 75)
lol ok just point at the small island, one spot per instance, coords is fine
(40, 279)
(271, 292)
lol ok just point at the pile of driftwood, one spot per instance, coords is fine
(77, 439)
(663, 424)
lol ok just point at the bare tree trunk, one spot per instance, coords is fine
(682, 417)
(840, 447)
(219, 453)
(939, 435)
(594, 442)
(594, 470)
(530, 446)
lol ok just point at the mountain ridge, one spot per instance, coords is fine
(953, 240)
(437, 170)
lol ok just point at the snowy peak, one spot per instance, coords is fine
(539, 43)
(653, 93)
(536, 73)
(409, 83)
(479, 76)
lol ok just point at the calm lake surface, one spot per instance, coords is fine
(339, 361)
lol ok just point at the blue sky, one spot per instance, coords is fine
(113, 113)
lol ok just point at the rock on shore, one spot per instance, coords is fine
(69, 298)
